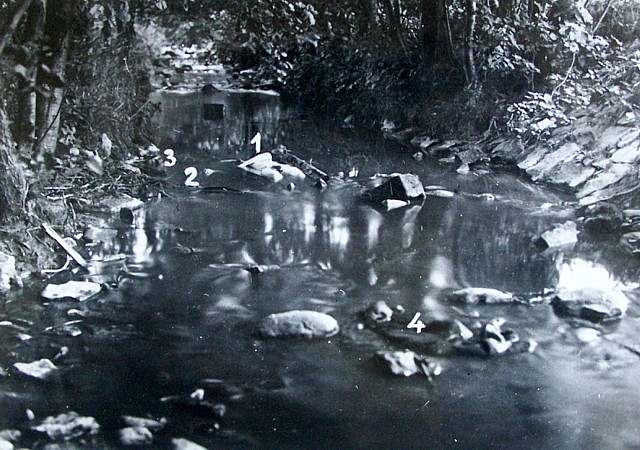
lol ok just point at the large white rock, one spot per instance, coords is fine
(79, 290)
(7, 271)
(68, 426)
(137, 436)
(41, 369)
(299, 323)
(562, 235)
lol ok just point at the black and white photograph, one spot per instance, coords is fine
(319, 224)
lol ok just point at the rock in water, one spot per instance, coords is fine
(79, 290)
(6, 445)
(394, 204)
(41, 369)
(473, 295)
(564, 235)
(68, 426)
(380, 312)
(7, 271)
(299, 323)
(135, 436)
(185, 444)
(153, 425)
(407, 363)
(398, 187)
(595, 305)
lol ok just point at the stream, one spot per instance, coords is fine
(185, 316)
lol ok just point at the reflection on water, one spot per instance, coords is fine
(187, 308)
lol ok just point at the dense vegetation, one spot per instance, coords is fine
(74, 72)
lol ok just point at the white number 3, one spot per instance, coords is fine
(416, 323)
(171, 160)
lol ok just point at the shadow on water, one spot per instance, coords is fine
(185, 313)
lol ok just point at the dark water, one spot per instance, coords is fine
(187, 321)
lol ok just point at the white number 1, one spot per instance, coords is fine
(257, 140)
(417, 323)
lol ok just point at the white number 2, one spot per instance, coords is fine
(171, 160)
(191, 173)
(416, 323)
(257, 140)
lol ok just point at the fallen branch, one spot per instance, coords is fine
(65, 246)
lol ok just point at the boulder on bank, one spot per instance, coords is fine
(563, 235)
(7, 271)
(595, 305)
(602, 219)
(398, 187)
(299, 323)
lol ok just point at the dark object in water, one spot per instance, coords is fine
(209, 89)
(213, 111)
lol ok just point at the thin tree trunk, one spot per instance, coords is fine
(13, 188)
(27, 84)
(469, 63)
(12, 25)
(49, 127)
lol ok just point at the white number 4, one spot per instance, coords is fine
(416, 323)
(257, 140)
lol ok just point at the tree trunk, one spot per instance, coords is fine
(34, 31)
(10, 28)
(469, 63)
(437, 43)
(392, 11)
(366, 16)
(49, 126)
(13, 188)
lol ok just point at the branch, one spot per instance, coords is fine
(606, 10)
(13, 24)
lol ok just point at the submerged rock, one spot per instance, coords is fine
(299, 323)
(41, 369)
(475, 295)
(595, 305)
(563, 235)
(398, 187)
(78, 290)
(137, 436)
(68, 426)
(407, 363)
(185, 444)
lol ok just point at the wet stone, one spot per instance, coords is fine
(7, 271)
(630, 242)
(398, 187)
(78, 290)
(137, 436)
(380, 312)
(407, 363)
(41, 369)
(563, 235)
(151, 424)
(476, 295)
(595, 305)
(185, 444)
(299, 323)
(68, 426)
